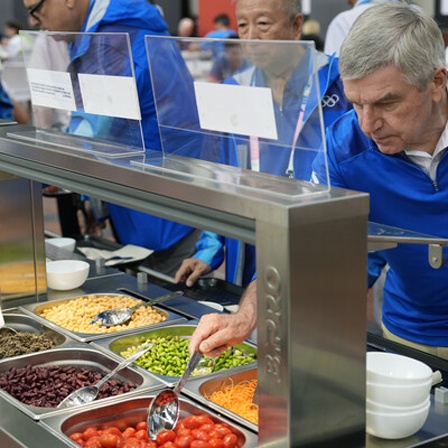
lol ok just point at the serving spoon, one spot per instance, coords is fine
(118, 316)
(163, 412)
(89, 393)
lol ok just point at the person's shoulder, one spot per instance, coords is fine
(346, 138)
(244, 78)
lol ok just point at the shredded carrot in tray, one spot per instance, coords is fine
(237, 398)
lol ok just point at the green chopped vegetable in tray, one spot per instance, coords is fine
(170, 356)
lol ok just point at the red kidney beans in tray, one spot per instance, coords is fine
(47, 386)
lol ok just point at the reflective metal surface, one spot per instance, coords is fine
(22, 255)
(79, 356)
(130, 411)
(311, 264)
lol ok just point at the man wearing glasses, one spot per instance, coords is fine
(137, 18)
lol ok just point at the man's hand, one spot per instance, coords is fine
(190, 270)
(216, 332)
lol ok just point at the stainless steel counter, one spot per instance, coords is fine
(311, 264)
(19, 430)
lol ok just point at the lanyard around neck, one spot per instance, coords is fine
(254, 142)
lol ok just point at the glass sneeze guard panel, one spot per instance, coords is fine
(83, 92)
(248, 113)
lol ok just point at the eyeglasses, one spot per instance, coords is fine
(33, 9)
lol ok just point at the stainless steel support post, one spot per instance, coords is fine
(312, 324)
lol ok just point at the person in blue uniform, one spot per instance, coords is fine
(398, 126)
(273, 20)
(393, 145)
(171, 241)
(6, 105)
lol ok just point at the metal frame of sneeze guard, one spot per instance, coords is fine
(83, 92)
(243, 130)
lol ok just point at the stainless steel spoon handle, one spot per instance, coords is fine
(160, 299)
(124, 364)
(192, 364)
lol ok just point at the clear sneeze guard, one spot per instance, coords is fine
(242, 114)
(83, 92)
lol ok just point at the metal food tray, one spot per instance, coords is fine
(81, 356)
(129, 412)
(115, 345)
(35, 309)
(25, 323)
(197, 387)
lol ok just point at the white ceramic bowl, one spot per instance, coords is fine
(375, 406)
(63, 275)
(398, 394)
(390, 368)
(396, 425)
(63, 243)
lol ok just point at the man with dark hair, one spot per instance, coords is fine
(222, 31)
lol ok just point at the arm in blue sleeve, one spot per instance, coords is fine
(210, 249)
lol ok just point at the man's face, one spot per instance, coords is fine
(260, 20)
(396, 115)
(264, 19)
(54, 15)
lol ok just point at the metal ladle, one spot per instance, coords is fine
(118, 316)
(89, 393)
(163, 412)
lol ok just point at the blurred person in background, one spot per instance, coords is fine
(228, 63)
(13, 45)
(187, 27)
(222, 31)
(311, 31)
(340, 26)
(11, 110)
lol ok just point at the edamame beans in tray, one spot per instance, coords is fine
(169, 356)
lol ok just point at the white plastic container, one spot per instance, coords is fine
(396, 425)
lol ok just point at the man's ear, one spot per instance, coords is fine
(297, 26)
(439, 82)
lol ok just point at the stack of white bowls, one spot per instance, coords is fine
(398, 395)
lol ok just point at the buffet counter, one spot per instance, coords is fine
(21, 430)
(311, 352)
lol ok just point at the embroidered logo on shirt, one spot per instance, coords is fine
(330, 100)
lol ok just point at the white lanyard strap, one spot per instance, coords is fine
(254, 142)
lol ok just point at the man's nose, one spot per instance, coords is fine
(252, 32)
(369, 120)
(33, 22)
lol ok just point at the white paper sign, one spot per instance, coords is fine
(51, 89)
(113, 96)
(236, 109)
(306, 7)
(444, 7)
